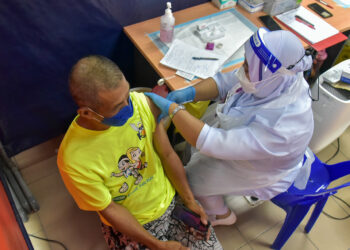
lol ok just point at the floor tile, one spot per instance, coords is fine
(63, 220)
(245, 247)
(328, 233)
(39, 170)
(77, 230)
(33, 225)
(326, 153)
(298, 240)
(229, 237)
(332, 208)
(259, 219)
(37, 153)
(343, 194)
(345, 143)
(53, 198)
(39, 244)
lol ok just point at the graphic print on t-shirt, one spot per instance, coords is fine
(141, 133)
(130, 164)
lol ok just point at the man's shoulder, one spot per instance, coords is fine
(144, 105)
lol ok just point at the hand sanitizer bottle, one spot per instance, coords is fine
(167, 22)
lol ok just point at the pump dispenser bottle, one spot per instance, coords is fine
(167, 22)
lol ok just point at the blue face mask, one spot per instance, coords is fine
(121, 117)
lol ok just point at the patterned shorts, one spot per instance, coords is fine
(164, 228)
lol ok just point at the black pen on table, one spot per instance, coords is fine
(205, 58)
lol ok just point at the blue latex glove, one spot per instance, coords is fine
(162, 103)
(183, 95)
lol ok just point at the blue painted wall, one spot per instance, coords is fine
(40, 41)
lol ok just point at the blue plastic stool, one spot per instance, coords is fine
(298, 202)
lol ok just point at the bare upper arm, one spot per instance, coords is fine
(154, 109)
(161, 141)
(160, 137)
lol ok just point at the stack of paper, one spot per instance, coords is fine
(321, 29)
(180, 56)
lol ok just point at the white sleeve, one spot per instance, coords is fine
(224, 82)
(244, 143)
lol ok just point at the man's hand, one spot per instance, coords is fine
(162, 103)
(183, 95)
(171, 245)
(195, 207)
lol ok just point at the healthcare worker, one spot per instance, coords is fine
(254, 142)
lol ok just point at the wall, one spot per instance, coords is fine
(41, 40)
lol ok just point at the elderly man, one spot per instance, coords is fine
(115, 160)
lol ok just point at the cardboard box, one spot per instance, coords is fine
(222, 4)
(251, 5)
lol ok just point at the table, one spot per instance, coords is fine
(138, 34)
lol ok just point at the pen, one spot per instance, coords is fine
(327, 4)
(303, 21)
(205, 58)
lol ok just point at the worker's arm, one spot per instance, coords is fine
(206, 90)
(188, 125)
(174, 168)
(123, 221)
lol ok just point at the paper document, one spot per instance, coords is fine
(185, 75)
(316, 31)
(237, 30)
(180, 56)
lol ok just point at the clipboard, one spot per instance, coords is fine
(328, 42)
(330, 37)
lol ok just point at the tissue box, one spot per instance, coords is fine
(252, 5)
(222, 4)
(275, 7)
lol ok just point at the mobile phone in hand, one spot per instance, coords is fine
(189, 217)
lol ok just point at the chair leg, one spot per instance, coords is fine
(315, 214)
(292, 221)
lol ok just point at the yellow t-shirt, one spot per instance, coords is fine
(118, 164)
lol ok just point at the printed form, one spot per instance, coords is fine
(180, 56)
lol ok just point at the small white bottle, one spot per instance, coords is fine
(167, 22)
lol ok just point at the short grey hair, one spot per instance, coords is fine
(90, 75)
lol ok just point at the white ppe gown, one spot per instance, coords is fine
(254, 149)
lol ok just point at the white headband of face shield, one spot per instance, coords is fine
(250, 87)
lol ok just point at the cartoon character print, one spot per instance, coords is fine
(141, 133)
(134, 154)
(127, 170)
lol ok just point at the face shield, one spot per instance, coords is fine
(263, 53)
(267, 61)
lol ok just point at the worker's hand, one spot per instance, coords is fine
(171, 245)
(183, 95)
(195, 207)
(162, 103)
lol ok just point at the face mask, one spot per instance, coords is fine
(250, 87)
(247, 86)
(121, 117)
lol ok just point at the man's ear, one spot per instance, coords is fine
(88, 113)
